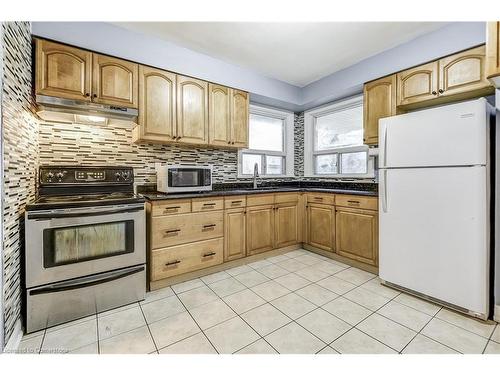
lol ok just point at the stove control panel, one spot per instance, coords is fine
(86, 175)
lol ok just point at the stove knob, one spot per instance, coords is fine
(118, 175)
(50, 175)
(60, 175)
(125, 175)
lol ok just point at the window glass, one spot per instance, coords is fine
(342, 128)
(274, 164)
(265, 133)
(353, 162)
(326, 164)
(249, 161)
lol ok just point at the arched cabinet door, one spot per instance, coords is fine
(192, 110)
(114, 81)
(63, 71)
(219, 116)
(417, 84)
(239, 118)
(463, 72)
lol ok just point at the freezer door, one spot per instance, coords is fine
(434, 233)
(452, 135)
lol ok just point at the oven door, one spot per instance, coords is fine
(64, 244)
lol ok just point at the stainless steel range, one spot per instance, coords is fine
(85, 244)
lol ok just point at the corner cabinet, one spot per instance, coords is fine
(286, 222)
(157, 103)
(379, 101)
(63, 71)
(320, 226)
(192, 110)
(493, 52)
(260, 229)
(239, 118)
(234, 234)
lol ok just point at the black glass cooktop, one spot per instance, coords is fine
(80, 200)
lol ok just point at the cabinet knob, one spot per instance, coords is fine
(441, 91)
(87, 94)
(434, 93)
(95, 95)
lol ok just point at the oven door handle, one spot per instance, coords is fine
(57, 215)
(87, 282)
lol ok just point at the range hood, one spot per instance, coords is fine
(48, 106)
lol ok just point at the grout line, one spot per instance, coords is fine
(98, 338)
(149, 329)
(421, 329)
(43, 339)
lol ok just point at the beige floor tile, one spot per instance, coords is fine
(213, 277)
(470, 324)
(423, 345)
(293, 339)
(366, 298)
(323, 325)
(496, 334)
(405, 315)
(252, 278)
(265, 319)
(492, 348)
(336, 285)
(270, 290)
(292, 281)
(137, 341)
(187, 285)
(158, 294)
(162, 308)
(293, 305)
(328, 350)
(386, 331)
(211, 314)
(198, 297)
(316, 294)
(355, 275)
(418, 304)
(327, 267)
(277, 258)
(297, 253)
(122, 321)
(292, 265)
(231, 336)
(244, 301)
(273, 271)
(259, 264)
(239, 270)
(312, 274)
(118, 309)
(30, 345)
(172, 329)
(357, 342)
(78, 321)
(374, 286)
(346, 310)
(307, 259)
(196, 344)
(87, 349)
(70, 337)
(227, 286)
(258, 347)
(454, 337)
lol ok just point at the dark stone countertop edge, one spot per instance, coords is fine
(156, 196)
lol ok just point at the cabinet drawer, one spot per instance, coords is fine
(357, 201)
(171, 207)
(179, 229)
(260, 199)
(207, 204)
(175, 260)
(321, 198)
(286, 197)
(235, 201)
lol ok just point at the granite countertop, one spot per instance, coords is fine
(154, 196)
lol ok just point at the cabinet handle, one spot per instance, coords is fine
(318, 198)
(167, 209)
(209, 226)
(235, 202)
(172, 263)
(208, 205)
(172, 231)
(441, 91)
(208, 254)
(353, 202)
(434, 93)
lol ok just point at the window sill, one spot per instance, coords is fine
(340, 177)
(249, 176)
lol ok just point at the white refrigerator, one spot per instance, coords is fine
(434, 209)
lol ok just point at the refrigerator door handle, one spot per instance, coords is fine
(383, 188)
(383, 143)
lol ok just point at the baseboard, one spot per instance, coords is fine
(496, 313)
(15, 338)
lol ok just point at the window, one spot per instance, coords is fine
(333, 141)
(270, 144)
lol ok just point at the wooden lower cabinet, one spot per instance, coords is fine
(234, 234)
(321, 226)
(260, 229)
(357, 234)
(286, 231)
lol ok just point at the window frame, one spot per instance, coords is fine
(288, 143)
(310, 118)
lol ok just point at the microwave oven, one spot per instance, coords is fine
(183, 178)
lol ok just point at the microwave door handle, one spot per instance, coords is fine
(57, 215)
(87, 282)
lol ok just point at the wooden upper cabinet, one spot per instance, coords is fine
(192, 110)
(463, 72)
(320, 226)
(63, 71)
(234, 234)
(219, 115)
(157, 115)
(417, 84)
(379, 101)
(357, 234)
(260, 229)
(493, 52)
(286, 224)
(239, 118)
(114, 81)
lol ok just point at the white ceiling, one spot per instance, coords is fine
(296, 53)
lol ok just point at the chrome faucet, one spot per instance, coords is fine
(255, 175)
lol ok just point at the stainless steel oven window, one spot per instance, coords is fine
(73, 244)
